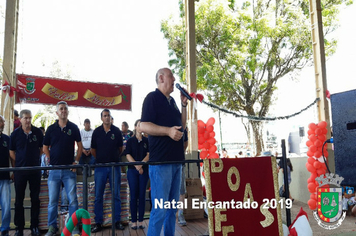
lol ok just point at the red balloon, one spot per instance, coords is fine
(212, 134)
(212, 141)
(201, 130)
(318, 143)
(210, 128)
(318, 131)
(313, 196)
(317, 165)
(201, 124)
(317, 154)
(312, 138)
(310, 168)
(322, 138)
(311, 187)
(310, 154)
(311, 160)
(320, 171)
(201, 139)
(309, 143)
(214, 156)
(203, 154)
(200, 146)
(206, 135)
(312, 204)
(310, 131)
(313, 176)
(211, 121)
(213, 149)
(322, 124)
(324, 131)
(312, 148)
(312, 126)
(206, 145)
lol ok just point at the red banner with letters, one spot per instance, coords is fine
(35, 89)
(242, 196)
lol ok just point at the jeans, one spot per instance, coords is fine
(165, 184)
(34, 180)
(84, 159)
(102, 174)
(5, 201)
(55, 180)
(138, 185)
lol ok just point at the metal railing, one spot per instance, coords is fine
(87, 173)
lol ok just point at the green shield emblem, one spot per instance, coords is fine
(30, 86)
(329, 204)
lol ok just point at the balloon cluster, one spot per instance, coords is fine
(315, 164)
(206, 139)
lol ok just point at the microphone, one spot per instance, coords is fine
(331, 140)
(183, 91)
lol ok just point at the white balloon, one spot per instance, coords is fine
(321, 159)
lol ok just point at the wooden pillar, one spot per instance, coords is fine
(9, 63)
(320, 70)
(191, 84)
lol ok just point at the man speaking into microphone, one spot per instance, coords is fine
(164, 123)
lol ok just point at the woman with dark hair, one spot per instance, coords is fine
(137, 175)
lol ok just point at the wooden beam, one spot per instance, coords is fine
(9, 63)
(191, 82)
(320, 69)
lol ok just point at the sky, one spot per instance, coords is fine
(120, 42)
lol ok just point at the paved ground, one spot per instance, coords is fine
(347, 228)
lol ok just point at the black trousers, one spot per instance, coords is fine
(34, 180)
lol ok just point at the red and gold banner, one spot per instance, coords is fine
(35, 89)
(242, 196)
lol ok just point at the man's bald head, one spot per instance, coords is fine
(160, 72)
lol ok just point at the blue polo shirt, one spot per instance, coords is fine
(137, 149)
(27, 146)
(107, 144)
(159, 110)
(4, 155)
(62, 142)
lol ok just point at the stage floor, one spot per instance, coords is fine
(194, 227)
(200, 227)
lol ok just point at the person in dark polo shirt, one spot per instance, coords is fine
(26, 149)
(164, 123)
(106, 147)
(5, 189)
(137, 175)
(58, 145)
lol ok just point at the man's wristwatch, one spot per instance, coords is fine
(76, 162)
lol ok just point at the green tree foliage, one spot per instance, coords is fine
(244, 48)
(45, 117)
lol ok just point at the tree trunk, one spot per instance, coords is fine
(257, 127)
(247, 129)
